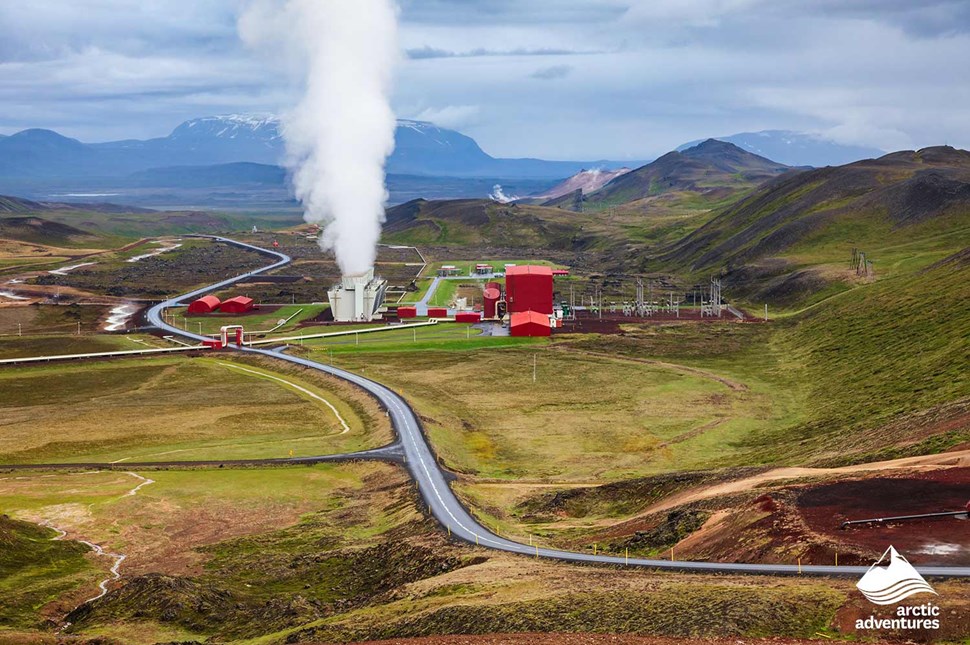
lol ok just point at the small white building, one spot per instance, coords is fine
(358, 298)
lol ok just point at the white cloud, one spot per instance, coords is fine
(449, 116)
(643, 76)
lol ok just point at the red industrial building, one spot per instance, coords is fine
(468, 317)
(407, 312)
(493, 293)
(237, 305)
(204, 305)
(529, 323)
(528, 288)
(437, 312)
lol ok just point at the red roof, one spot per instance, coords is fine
(238, 304)
(204, 305)
(528, 269)
(529, 323)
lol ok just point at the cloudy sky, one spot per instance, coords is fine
(559, 79)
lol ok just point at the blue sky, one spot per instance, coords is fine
(564, 79)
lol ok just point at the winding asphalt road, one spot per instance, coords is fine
(413, 449)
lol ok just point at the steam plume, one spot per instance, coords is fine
(342, 130)
(498, 195)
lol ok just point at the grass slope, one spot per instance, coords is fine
(790, 242)
(160, 409)
(34, 570)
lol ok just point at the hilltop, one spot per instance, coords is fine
(10, 204)
(36, 230)
(474, 222)
(712, 167)
(796, 148)
(777, 236)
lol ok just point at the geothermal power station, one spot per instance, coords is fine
(358, 298)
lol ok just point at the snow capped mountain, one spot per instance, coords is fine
(230, 126)
(421, 148)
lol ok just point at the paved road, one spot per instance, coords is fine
(438, 496)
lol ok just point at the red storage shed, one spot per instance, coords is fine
(237, 305)
(204, 305)
(530, 323)
(437, 312)
(467, 317)
(529, 288)
(407, 312)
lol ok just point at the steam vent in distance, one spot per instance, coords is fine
(358, 298)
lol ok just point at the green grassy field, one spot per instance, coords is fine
(36, 570)
(58, 344)
(449, 337)
(586, 418)
(183, 523)
(339, 552)
(61, 320)
(160, 409)
(254, 322)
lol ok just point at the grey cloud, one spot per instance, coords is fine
(644, 75)
(511, 11)
(433, 52)
(552, 73)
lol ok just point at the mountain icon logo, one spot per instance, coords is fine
(887, 585)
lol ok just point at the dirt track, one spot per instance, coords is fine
(926, 462)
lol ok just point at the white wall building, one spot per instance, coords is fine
(358, 298)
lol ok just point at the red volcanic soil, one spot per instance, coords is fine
(582, 639)
(924, 542)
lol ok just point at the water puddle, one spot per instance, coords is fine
(940, 548)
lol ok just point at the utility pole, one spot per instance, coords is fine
(533, 368)
(79, 328)
(766, 312)
(20, 331)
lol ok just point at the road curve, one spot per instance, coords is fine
(438, 496)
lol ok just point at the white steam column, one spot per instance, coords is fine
(358, 298)
(340, 132)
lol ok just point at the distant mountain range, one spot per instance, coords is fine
(234, 161)
(421, 148)
(796, 148)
